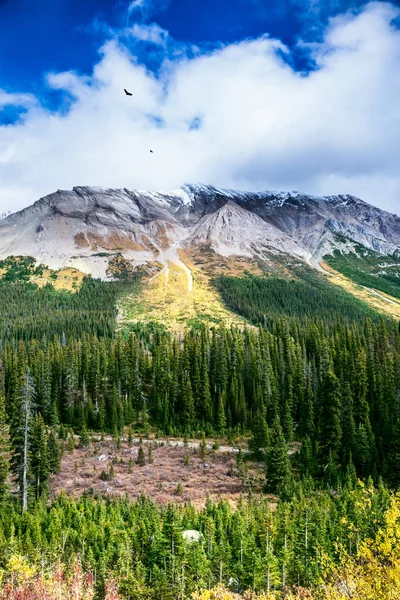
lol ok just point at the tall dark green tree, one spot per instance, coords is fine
(39, 457)
(20, 433)
(259, 440)
(330, 428)
(4, 446)
(277, 464)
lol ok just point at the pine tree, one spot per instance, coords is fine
(39, 459)
(54, 453)
(307, 458)
(20, 434)
(205, 404)
(278, 465)
(4, 447)
(259, 440)
(203, 448)
(84, 439)
(188, 411)
(330, 433)
(221, 418)
(141, 460)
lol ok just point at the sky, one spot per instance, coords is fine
(249, 94)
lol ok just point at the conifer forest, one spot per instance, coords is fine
(310, 396)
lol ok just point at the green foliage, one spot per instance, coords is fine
(28, 312)
(335, 386)
(142, 544)
(316, 387)
(277, 465)
(368, 268)
(84, 439)
(141, 460)
(4, 447)
(305, 296)
(19, 269)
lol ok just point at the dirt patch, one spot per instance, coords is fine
(114, 241)
(81, 240)
(176, 474)
(213, 264)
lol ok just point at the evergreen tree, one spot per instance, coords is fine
(392, 466)
(20, 434)
(84, 439)
(221, 418)
(54, 453)
(39, 459)
(4, 447)
(259, 440)
(330, 433)
(141, 460)
(278, 465)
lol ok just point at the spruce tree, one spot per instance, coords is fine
(188, 411)
(54, 453)
(141, 460)
(277, 464)
(221, 418)
(84, 439)
(39, 458)
(330, 432)
(259, 440)
(205, 404)
(20, 434)
(4, 447)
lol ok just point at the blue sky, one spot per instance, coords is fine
(246, 93)
(37, 36)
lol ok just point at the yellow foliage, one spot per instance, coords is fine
(19, 566)
(222, 593)
(375, 573)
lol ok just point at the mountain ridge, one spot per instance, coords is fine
(72, 228)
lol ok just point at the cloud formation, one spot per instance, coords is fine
(238, 116)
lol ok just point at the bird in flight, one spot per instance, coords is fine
(127, 93)
(152, 151)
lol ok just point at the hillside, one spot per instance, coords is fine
(198, 391)
(178, 242)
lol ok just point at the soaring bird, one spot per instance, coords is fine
(152, 151)
(127, 93)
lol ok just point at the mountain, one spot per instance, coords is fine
(88, 226)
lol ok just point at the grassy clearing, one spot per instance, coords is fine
(369, 269)
(175, 473)
(377, 300)
(167, 299)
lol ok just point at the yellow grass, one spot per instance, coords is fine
(374, 298)
(167, 299)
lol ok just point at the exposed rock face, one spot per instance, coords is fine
(85, 226)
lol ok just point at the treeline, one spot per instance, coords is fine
(253, 547)
(305, 296)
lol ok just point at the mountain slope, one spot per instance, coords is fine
(189, 234)
(80, 228)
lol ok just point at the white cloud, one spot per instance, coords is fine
(148, 33)
(146, 7)
(17, 100)
(135, 5)
(259, 124)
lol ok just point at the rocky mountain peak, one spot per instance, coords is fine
(85, 226)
